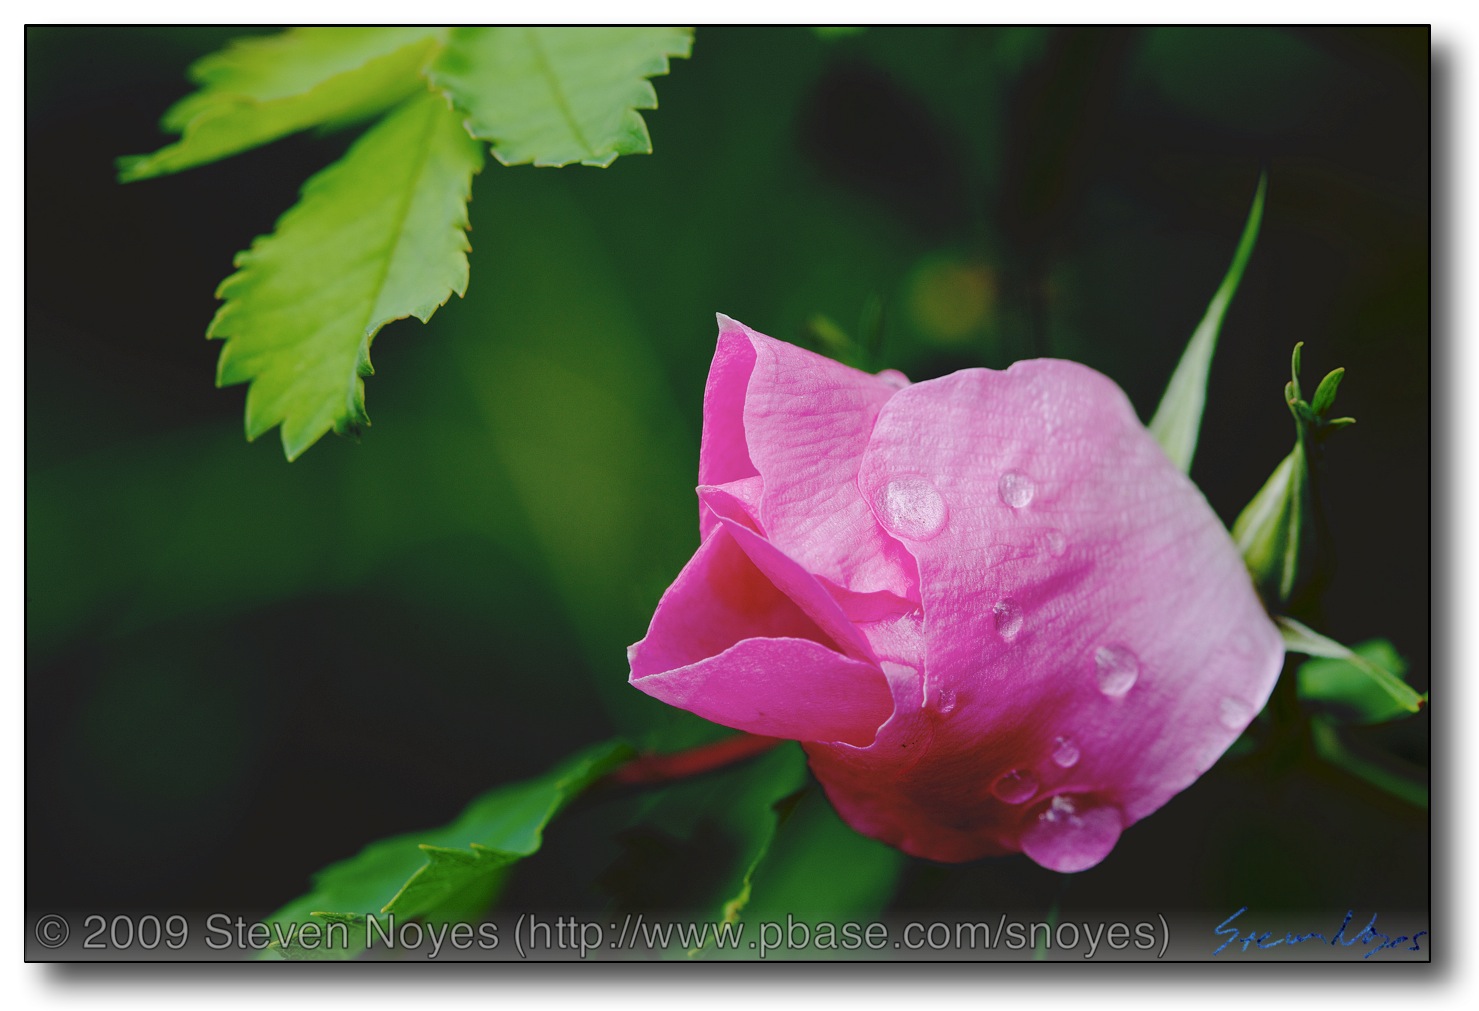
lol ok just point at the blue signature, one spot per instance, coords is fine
(1368, 936)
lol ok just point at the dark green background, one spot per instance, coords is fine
(239, 669)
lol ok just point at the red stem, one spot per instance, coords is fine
(647, 769)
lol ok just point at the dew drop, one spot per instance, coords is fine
(945, 701)
(1234, 714)
(1065, 753)
(1016, 489)
(1008, 616)
(1116, 668)
(1071, 834)
(1056, 543)
(910, 507)
(1015, 787)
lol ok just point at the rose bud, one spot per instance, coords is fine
(997, 617)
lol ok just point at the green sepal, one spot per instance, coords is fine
(1269, 530)
(1348, 692)
(1276, 531)
(1325, 395)
(1178, 419)
(1383, 695)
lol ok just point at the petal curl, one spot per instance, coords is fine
(801, 422)
(802, 589)
(1093, 642)
(729, 646)
(724, 455)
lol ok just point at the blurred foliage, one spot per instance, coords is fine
(224, 651)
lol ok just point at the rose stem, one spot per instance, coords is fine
(647, 769)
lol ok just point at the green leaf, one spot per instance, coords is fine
(1178, 419)
(754, 810)
(694, 846)
(1348, 691)
(424, 873)
(377, 236)
(797, 873)
(1299, 638)
(793, 878)
(260, 89)
(553, 96)
(781, 811)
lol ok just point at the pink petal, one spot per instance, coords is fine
(723, 455)
(801, 422)
(727, 645)
(1081, 600)
(802, 589)
(737, 504)
(738, 501)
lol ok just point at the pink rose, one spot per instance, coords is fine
(994, 613)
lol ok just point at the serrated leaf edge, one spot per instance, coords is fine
(354, 416)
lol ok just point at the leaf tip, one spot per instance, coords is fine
(131, 167)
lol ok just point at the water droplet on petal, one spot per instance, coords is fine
(910, 507)
(1015, 787)
(1116, 668)
(1008, 616)
(1071, 834)
(1065, 753)
(945, 701)
(1055, 542)
(1234, 714)
(1016, 489)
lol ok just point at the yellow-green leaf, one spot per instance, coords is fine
(377, 236)
(260, 89)
(553, 96)
(416, 874)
